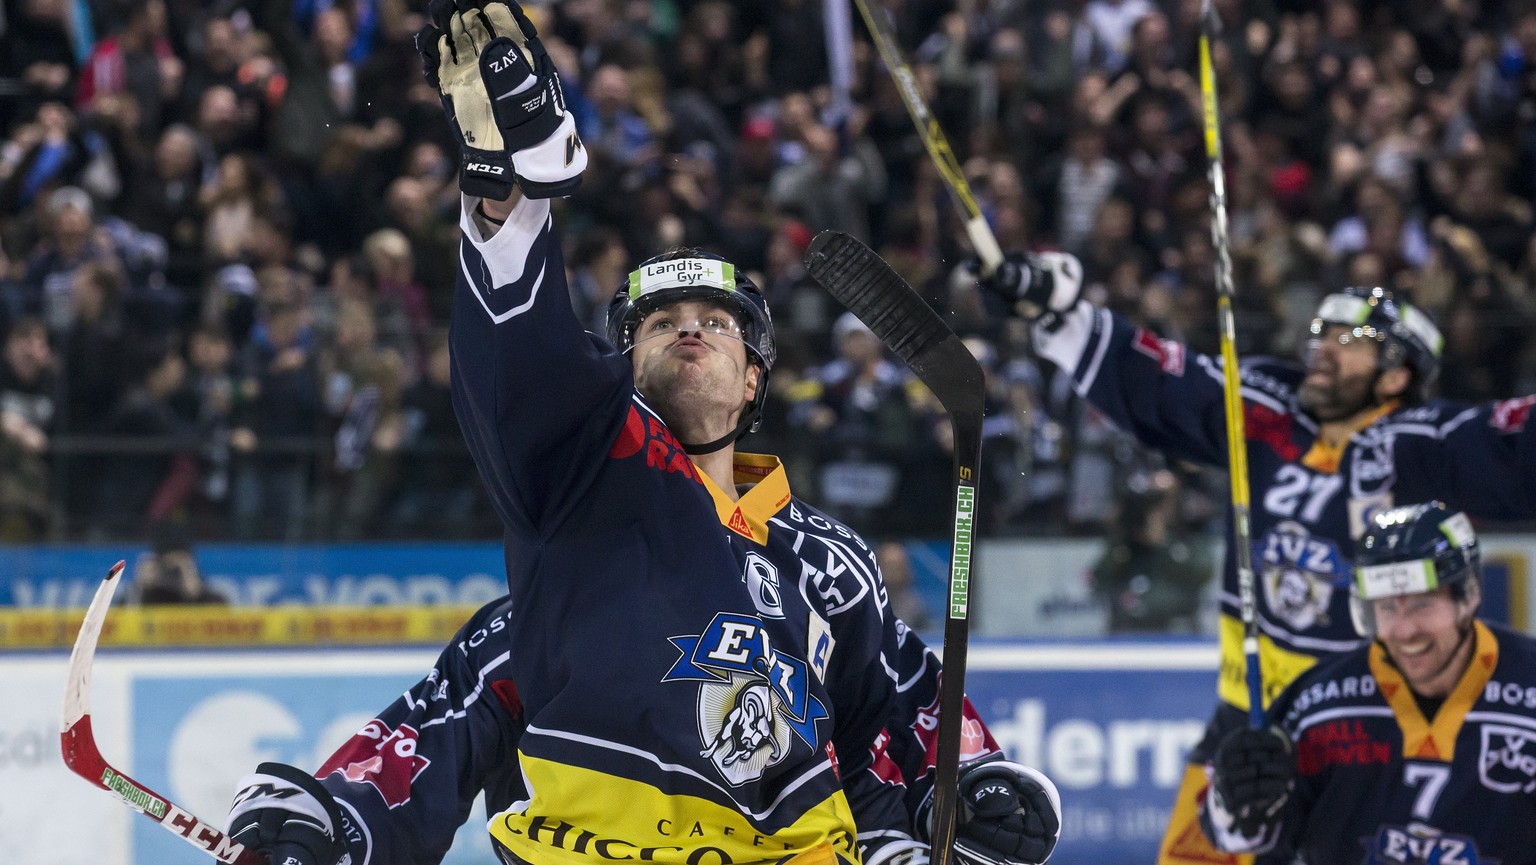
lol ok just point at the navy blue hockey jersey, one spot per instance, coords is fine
(701, 679)
(1309, 501)
(1377, 782)
(408, 779)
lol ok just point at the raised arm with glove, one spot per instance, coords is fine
(502, 96)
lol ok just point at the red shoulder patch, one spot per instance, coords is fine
(1168, 353)
(1268, 427)
(1510, 415)
(382, 758)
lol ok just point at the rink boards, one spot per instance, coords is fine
(1109, 722)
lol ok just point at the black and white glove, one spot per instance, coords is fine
(1252, 775)
(502, 95)
(1035, 284)
(286, 814)
(1009, 814)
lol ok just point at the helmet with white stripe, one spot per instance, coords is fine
(1409, 550)
(1407, 335)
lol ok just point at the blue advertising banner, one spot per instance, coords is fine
(1110, 723)
(1113, 741)
(263, 575)
(194, 737)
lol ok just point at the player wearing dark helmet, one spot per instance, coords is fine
(694, 665)
(1347, 433)
(1418, 747)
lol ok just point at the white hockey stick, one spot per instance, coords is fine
(82, 756)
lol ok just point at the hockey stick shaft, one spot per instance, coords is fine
(976, 227)
(83, 757)
(1237, 450)
(902, 320)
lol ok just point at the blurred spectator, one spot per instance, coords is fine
(220, 394)
(896, 567)
(138, 62)
(1153, 570)
(165, 197)
(437, 489)
(273, 442)
(599, 265)
(36, 50)
(239, 192)
(71, 240)
(169, 574)
(363, 382)
(862, 423)
(27, 382)
(92, 347)
(157, 413)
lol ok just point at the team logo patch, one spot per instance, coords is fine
(382, 758)
(1168, 353)
(1507, 761)
(753, 698)
(762, 580)
(1416, 843)
(1510, 415)
(1299, 571)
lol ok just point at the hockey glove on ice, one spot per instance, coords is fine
(1009, 814)
(1252, 775)
(1034, 285)
(285, 813)
(502, 96)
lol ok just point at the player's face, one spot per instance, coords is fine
(1423, 634)
(690, 360)
(1341, 374)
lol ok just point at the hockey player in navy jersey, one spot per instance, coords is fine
(1329, 443)
(707, 670)
(1419, 747)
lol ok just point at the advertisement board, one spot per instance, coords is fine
(1109, 722)
(332, 575)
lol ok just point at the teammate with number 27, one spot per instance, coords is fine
(1330, 443)
(703, 669)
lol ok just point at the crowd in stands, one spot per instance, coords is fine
(228, 233)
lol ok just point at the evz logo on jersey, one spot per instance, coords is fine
(752, 699)
(1417, 843)
(1300, 571)
(1507, 762)
(384, 759)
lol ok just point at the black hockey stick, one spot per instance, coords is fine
(83, 757)
(871, 290)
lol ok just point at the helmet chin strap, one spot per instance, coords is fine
(750, 416)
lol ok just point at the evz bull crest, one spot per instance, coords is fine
(752, 699)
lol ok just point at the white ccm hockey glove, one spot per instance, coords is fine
(502, 95)
(1009, 814)
(1035, 286)
(286, 814)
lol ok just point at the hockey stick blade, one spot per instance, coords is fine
(863, 282)
(84, 759)
(871, 290)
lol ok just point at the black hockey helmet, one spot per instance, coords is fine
(691, 274)
(1413, 549)
(1407, 336)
